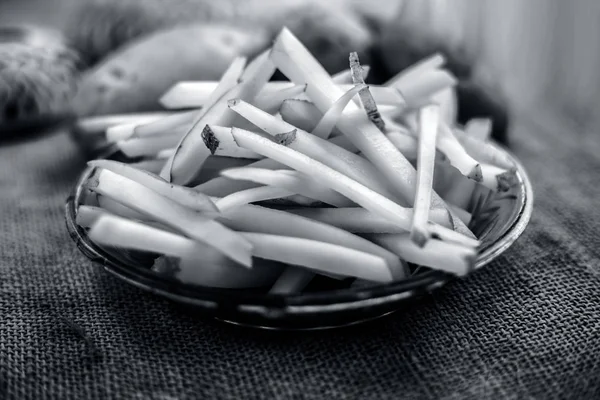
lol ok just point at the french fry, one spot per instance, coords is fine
(271, 102)
(185, 196)
(319, 149)
(222, 144)
(253, 195)
(479, 128)
(429, 118)
(457, 155)
(365, 94)
(149, 127)
(291, 181)
(149, 146)
(359, 220)
(449, 257)
(292, 280)
(326, 124)
(483, 152)
(430, 63)
(345, 77)
(162, 209)
(173, 100)
(319, 256)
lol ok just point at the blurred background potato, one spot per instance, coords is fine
(540, 54)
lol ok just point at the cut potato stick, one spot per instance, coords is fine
(479, 128)
(419, 91)
(365, 94)
(294, 60)
(100, 124)
(110, 230)
(448, 102)
(153, 166)
(319, 256)
(162, 209)
(292, 181)
(271, 102)
(498, 179)
(407, 145)
(457, 155)
(87, 215)
(191, 153)
(436, 254)
(149, 146)
(464, 215)
(461, 191)
(222, 144)
(185, 196)
(483, 152)
(448, 235)
(154, 127)
(292, 280)
(433, 62)
(253, 195)
(326, 124)
(353, 190)
(172, 99)
(429, 117)
(108, 204)
(345, 76)
(359, 220)
(252, 218)
(318, 149)
(301, 113)
(194, 94)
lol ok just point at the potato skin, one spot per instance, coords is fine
(133, 78)
(330, 29)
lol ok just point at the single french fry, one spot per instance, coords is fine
(432, 62)
(222, 144)
(253, 195)
(149, 146)
(319, 256)
(429, 118)
(326, 124)
(292, 280)
(360, 220)
(345, 76)
(449, 257)
(366, 97)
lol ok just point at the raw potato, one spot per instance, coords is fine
(330, 29)
(134, 78)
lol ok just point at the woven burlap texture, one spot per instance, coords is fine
(526, 326)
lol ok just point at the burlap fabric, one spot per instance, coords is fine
(527, 326)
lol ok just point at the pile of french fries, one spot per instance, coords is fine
(251, 183)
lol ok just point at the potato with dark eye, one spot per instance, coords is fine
(133, 78)
(330, 29)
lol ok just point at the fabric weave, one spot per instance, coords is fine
(525, 327)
